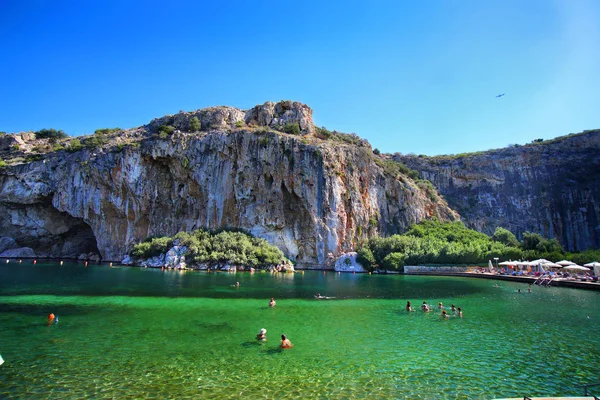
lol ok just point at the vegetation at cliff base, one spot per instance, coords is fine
(434, 242)
(214, 247)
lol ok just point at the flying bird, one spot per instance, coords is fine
(500, 95)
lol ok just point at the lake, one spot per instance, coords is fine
(144, 333)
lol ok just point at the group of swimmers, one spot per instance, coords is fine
(426, 308)
(285, 342)
(262, 334)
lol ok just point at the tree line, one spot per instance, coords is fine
(435, 242)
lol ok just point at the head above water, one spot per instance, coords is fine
(283, 337)
(263, 331)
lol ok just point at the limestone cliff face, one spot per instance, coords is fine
(551, 188)
(308, 196)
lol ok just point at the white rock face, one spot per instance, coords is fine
(347, 263)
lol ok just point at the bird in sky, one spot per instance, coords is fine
(500, 95)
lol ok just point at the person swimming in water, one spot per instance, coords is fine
(272, 302)
(425, 307)
(408, 306)
(285, 342)
(453, 309)
(440, 305)
(459, 312)
(261, 337)
(444, 314)
(51, 317)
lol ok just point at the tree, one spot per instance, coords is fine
(194, 125)
(506, 237)
(50, 134)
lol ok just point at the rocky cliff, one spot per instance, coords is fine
(549, 187)
(309, 193)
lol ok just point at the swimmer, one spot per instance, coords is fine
(459, 312)
(440, 305)
(285, 342)
(496, 285)
(453, 309)
(237, 284)
(518, 290)
(272, 302)
(425, 307)
(51, 318)
(408, 306)
(528, 290)
(261, 337)
(444, 314)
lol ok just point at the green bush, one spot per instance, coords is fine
(292, 129)
(216, 247)
(166, 129)
(376, 151)
(106, 131)
(50, 134)
(2, 163)
(323, 133)
(194, 125)
(74, 145)
(239, 124)
(505, 237)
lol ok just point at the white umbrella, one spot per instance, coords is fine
(592, 264)
(509, 263)
(576, 268)
(551, 265)
(564, 263)
(540, 261)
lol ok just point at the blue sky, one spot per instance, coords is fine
(409, 76)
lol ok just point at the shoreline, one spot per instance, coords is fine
(521, 279)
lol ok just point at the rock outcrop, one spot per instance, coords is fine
(308, 196)
(551, 188)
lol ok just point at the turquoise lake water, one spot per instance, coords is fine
(131, 333)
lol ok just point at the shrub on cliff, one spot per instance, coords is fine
(165, 131)
(194, 124)
(50, 134)
(74, 145)
(2, 163)
(292, 129)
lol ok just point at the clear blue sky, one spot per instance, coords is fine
(409, 76)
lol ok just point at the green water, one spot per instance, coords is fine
(141, 333)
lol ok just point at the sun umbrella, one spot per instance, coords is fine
(576, 268)
(540, 261)
(592, 264)
(509, 263)
(551, 265)
(564, 263)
